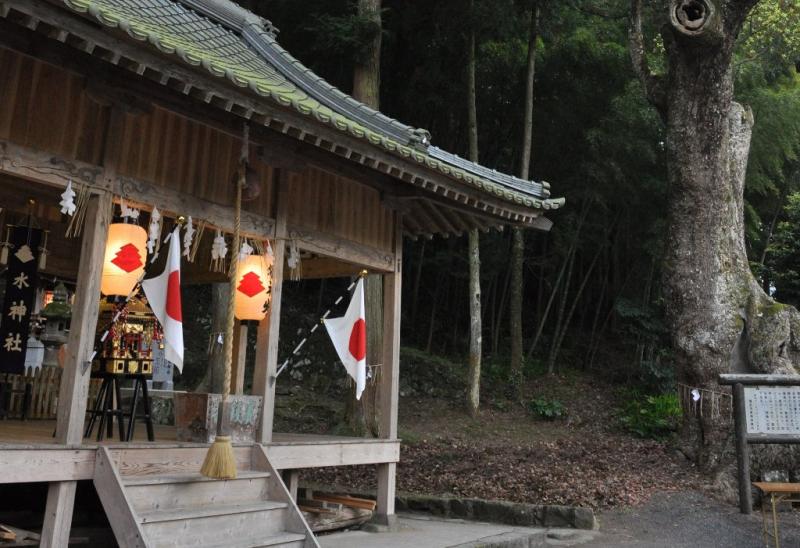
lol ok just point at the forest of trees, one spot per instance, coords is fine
(604, 134)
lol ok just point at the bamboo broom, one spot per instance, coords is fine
(220, 463)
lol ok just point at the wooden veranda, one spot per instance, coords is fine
(144, 101)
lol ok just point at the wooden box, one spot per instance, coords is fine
(196, 417)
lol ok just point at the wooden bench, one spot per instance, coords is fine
(777, 492)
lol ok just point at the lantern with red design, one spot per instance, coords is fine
(252, 287)
(124, 260)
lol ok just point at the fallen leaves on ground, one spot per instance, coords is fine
(599, 471)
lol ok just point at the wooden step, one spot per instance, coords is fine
(285, 540)
(188, 477)
(147, 461)
(204, 510)
(150, 493)
(206, 525)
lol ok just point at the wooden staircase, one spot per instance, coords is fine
(154, 496)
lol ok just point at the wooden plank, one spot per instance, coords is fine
(155, 460)
(34, 465)
(269, 329)
(347, 500)
(118, 507)
(288, 456)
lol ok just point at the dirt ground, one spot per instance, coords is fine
(506, 454)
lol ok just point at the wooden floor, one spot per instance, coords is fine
(288, 451)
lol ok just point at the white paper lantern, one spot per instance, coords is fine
(126, 254)
(252, 287)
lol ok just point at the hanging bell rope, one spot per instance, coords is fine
(220, 462)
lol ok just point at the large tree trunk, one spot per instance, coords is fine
(367, 73)
(475, 323)
(720, 319)
(518, 238)
(362, 416)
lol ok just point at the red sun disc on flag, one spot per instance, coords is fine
(358, 340)
(251, 284)
(174, 296)
(128, 258)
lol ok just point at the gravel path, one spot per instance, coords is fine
(689, 519)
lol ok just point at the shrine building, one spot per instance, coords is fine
(123, 121)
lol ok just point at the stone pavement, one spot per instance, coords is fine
(420, 531)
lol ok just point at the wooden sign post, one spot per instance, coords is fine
(766, 409)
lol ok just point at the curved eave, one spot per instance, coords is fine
(323, 115)
(410, 165)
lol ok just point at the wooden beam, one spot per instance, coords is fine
(390, 376)
(291, 478)
(58, 514)
(288, 456)
(74, 388)
(41, 167)
(269, 329)
(429, 224)
(441, 219)
(46, 464)
(327, 267)
(118, 507)
(51, 169)
(75, 378)
(321, 243)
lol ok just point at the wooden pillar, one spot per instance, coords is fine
(390, 377)
(269, 327)
(742, 450)
(292, 480)
(239, 358)
(74, 388)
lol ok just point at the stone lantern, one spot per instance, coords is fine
(57, 314)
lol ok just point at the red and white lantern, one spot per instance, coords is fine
(124, 262)
(252, 287)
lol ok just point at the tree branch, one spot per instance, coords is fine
(653, 84)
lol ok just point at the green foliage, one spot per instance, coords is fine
(772, 34)
(654, 417)
(547, 408)
(784, 254)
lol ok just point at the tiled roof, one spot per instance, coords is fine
(233, 43)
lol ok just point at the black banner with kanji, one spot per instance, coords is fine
(21, 282)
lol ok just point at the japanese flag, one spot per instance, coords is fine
(163, 292)
(349, 336)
